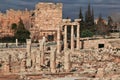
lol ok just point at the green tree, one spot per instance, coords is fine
(14, 26)
(92, 16)
(22, 33)
(110, 23)
(81, 15)
(82, 24)
(86, 33)
(102, 28)
(21, 25)
(89, 19)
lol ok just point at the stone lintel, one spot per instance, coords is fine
(69, 24)
(77, 20)
(66, 20)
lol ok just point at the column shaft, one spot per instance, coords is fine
(65, 38)
(53, 61)
(78, 37)
(72, 37)
(28, 60)
(16, 42)
(67, 61)
(42, 47)
(37, 61)
(28, 47)
(42, 58)
(58, 40)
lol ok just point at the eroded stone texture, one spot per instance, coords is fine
(53, 59)
(12, 16)
(97, 63)
(42, 21)
(45, 62)
(47, 17)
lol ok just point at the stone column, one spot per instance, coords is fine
(72, 38)
(42, 58)
(67, 61)
(16, 42)
(42, 45)
(28, 60)
(58, 40)
(65, 37)
(41, 52)
(28, 46)
(78, 37)
(38, 62)
(22, 65)
(53, 60)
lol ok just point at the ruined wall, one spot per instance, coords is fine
(12, 16)
(47, 18)
(14, 59)
(89, 63)
(97, 63)
(43, 21)
(95, 43)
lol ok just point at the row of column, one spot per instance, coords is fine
(40, 57)
(72, 37)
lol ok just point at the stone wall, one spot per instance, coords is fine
(13, 60)
(87, 44)
(47, 18)
(42, 21)
(89, 63)
(13, 16)
(96, 63)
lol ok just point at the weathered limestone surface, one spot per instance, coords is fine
(67, 60)
(53, 59)
(13, 16)
(58, 39)
(65, 38)
(46, 20)
(42, 47)
(72, 38)
(100, 63)
(107, 43)
(68, 23)
(44, 61)
(42, 21)
(51, 20)
(89, 63)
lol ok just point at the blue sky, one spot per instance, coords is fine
(70, 8)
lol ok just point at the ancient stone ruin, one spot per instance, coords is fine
(11, 16)
(76, 58)
(47, 17)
